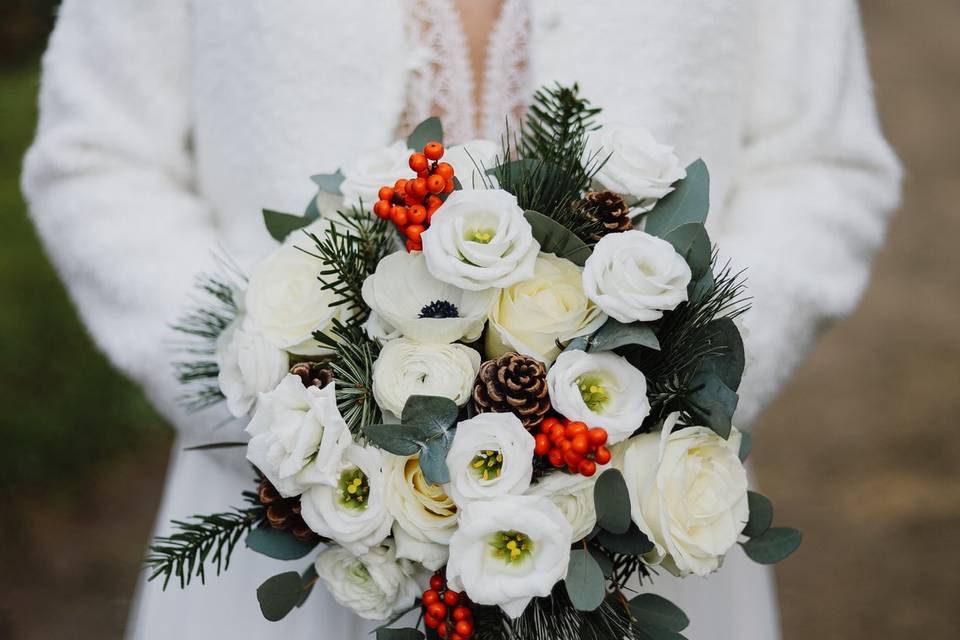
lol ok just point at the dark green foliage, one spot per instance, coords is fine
(278, 544)
(352, 365)
(279, 595)
(775, 544)
(426, 428)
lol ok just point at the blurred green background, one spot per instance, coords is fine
(860, 451)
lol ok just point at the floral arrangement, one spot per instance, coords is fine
(501, 396)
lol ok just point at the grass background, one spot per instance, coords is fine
(860, 451)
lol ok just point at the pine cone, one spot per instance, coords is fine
(313, 374)
(513, 383)
(284, 513)
(610, 210)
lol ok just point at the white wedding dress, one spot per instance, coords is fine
(167, 124)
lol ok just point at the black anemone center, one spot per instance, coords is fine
(440, 309)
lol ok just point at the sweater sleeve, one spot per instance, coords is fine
(814, 189)
(109, 181)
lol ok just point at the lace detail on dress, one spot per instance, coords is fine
(440, 79)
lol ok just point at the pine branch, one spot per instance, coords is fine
(354, 355)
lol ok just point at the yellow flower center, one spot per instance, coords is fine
(593, 392)
(482, 236)
(511, 546)
(487, 464)
(354, 489)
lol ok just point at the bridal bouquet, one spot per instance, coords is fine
(490, 384)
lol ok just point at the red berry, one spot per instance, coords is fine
(565, 446)
(542, 445)
(450, 186)
(382, 209)
(588, 468)
(430, 596)
(442, 630)
(556, 433)
(464, 628)
(461, 613)
(418, 186)
(547, 424)
(444, 170)
(457, 636)
(602, 456)
(556, 457)
(432, 622)
(437, 610)
(451, 598)
(575, 428)
(386, 193)
(419, 162)
(400, 184)
(399, 215)
(598, 437)
(436, 184)
(572, 458)
(437, 583)
(410, 245)
(433, 150)
(417, 214)
(413, 232)
(580, 444)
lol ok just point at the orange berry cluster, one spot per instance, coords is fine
(410, 204)
(572, 445)
(447, 611)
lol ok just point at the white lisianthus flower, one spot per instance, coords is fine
(375, 585)
(404, 296)
(688, 494)
(573, 495)
(353, 513)
(471, 160)
(508, 551)
(425, 515)
(373, 169)
(286, 301)
(532, 316)
(479, 240)
(248, 364)
(491, 456)
(406, 368)
(635, 276)
(638, 165)
(297, 436)
(601, 389)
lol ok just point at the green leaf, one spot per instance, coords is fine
(277, 544)
(633, 542)
(329, 182)
(281, 225)
(309, 579)
(761, 515)
(692, 242)
(613, 502)
(279, 595)
(425, 428)
(713, 403)
(746, 443)
(688, 202)
(435, 413)
(580, 343)
(398, 439)
(653, 632)
(216, 445)
(728, 366)
(433, 458)
(615, 334)
(457, 185)
(584, 582)
(429, 130)
(384, 633)
(702, 287)
(773, 546)
(651, 609)
(606, 564)
(556, 239)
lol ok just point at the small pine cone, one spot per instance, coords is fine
(609, 209)
(284, 513)
(313, 374)
(513, 383)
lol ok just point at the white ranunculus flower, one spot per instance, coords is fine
(688, 494)
(491, 456)
(425, 515)
(376, 168)
(406, 368)
(508, 551)
(638, 165)
(479, 240)
(601, 389)
(550, 306)
(248, 364)
(471, 160)
(375, 585)
(353, 512)
(404, 296)
(297, 436)
(635, 276)
(573, 494)
(286, 301)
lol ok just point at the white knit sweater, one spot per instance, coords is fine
(167, 124)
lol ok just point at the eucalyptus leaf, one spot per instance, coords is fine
(279, 594)
(773, 546)
(429, 130)
(713, 403)
(384, 633)
(746, 444)
(435, 412)
(692, 242)
(329, 182)
(651, 609)
(606, 564)
(688, 202)
(584, 582)
(433, 458)
(728, 366)
(614, 334)
(216, 445)
(457, 185)
(580, 343)
(633, 542)
(398, 439)
(702, 287)
(309, 579)
(281, 225)
(654, 632)
(425, 427)
(277, 544)
(761, 515)
(612, 501)
(313, 210)
(557, 239)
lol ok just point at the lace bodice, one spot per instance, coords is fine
(441, 79)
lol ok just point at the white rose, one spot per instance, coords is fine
(406, 368)
(491, 455)
(479, 239)
(573, 495)
(286, 301)
(635, 276)
(425, 515)
(353, 512)
(637, 166)
(297, 436)
(363, 177)
(404, 296)
(688, 494)
(550, 306)
(601, 389)
(471, 160)
(374, 585)
(508, 551)
(248, 364)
